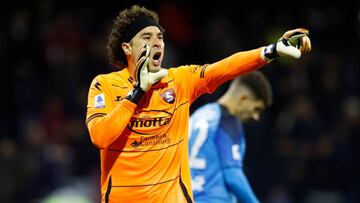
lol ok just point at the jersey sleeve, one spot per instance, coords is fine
(235, 65)
(105, 121)
(191, 80)
(199, 79)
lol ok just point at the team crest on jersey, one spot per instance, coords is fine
(99, 101)
(168, 96)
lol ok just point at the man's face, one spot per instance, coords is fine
(249, 108)
(152, 36)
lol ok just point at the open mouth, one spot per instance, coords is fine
(156, 58)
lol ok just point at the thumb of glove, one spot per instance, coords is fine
(154, 77)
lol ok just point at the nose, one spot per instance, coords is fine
(155, 42)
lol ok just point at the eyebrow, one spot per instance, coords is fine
(151, 33)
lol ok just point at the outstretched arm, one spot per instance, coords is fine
(235, 65)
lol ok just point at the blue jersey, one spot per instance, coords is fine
(217, 143)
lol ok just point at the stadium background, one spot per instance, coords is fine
(305, 149)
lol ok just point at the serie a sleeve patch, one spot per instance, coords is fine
(99, 101)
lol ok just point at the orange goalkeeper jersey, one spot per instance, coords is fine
(144, 147)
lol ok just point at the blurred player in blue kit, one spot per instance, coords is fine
(217, 141)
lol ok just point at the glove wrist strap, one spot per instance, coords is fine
(135, 95)
(270, 52)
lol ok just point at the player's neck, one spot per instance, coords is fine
(227, 104)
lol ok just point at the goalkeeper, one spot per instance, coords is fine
(138, 116)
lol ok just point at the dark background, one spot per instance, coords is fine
(305, 149)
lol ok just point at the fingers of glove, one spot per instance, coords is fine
(142, 53)
(138, 60)
(137, 68)
(144, 66)
(143, 75)
(305, 44)
(294, 32)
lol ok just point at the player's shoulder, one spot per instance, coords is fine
(209, 111)
(102, 81)
(109, 77)
(185, 68)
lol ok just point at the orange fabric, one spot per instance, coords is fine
(144, 147)
(232, 66)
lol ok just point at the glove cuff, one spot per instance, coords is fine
(270, 52)
(135, 95)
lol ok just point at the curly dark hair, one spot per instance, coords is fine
(125, 19)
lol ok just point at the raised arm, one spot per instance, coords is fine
(237, 64)
(105, 122)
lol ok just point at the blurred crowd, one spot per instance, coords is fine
(305, 149)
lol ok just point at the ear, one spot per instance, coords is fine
(126, 48)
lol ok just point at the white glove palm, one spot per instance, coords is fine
(143, 78)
